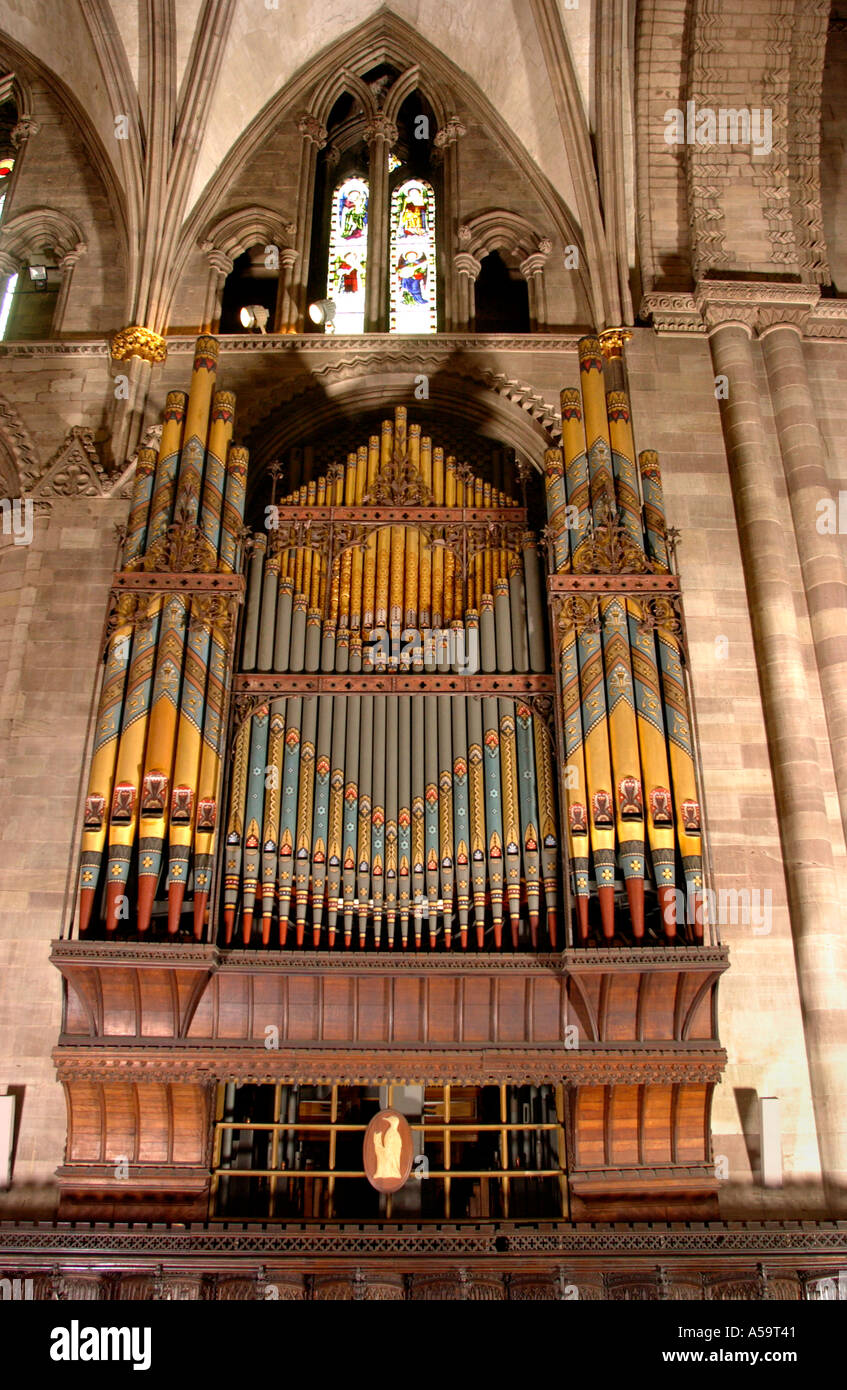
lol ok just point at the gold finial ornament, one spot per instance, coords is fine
(138, 342)
(612, 341)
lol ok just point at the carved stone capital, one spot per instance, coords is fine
(138, 342)
(70, 258)
(218, 260)
(753, 305)
(467, 264)
(449, 133)
(311, 129)
(381, 127)
(532, 265)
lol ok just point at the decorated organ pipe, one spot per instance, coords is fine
(407, 723)
(154, 788)
(630, 792)
(404, 607)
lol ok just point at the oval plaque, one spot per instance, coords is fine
(388, 1151)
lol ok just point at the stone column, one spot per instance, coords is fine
(220, 266)
(467, 269)
(821, 563)
(313, 135)
(532, 270)
(819, 946)
(66, 265)
(446, 142)
(9, 266)
(380, 135)
(286, 309)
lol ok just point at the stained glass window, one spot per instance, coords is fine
(393, 162)
(413, 306)
(348, 256)
(6, 167)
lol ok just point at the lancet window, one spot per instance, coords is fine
(348, 256)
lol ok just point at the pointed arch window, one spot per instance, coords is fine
(413, 258)
(348, 256)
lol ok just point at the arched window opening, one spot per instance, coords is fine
(378, 216)
(8, 121)
(413, 258)
(28, 303)
(348, 256)
(501, 297)
(253, 281)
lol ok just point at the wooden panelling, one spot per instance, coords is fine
(513, 1000)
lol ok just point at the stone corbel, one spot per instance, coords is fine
(25, 127)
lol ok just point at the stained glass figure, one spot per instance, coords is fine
(413, 270)
(348, 256)
(6, 167)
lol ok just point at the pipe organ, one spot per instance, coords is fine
(618, 635)
(410, 798)
(413, 716)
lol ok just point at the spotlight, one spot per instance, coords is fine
(322, 311)
(38, 276)
(254, 316)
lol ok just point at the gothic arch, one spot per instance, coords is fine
(516, 415)
(25, 67)
(499, 230)
(25, 237)
(384, 38)
(236, 232)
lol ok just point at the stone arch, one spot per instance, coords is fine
(237, 231)
(500, 230)
(26, 237)
(382, 38)
(307, 403)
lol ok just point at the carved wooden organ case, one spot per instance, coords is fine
(403, 779)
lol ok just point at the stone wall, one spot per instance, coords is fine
(52, 598)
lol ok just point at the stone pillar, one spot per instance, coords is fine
(313, 135)
(380, 135)
(220, 266)
(824, 579)
(532, 270)
(467, 268)
(66, 265)
(446, 142)
(286, 309)
(9, 266)
(819, 946)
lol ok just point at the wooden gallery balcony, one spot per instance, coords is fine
(151, 1032)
